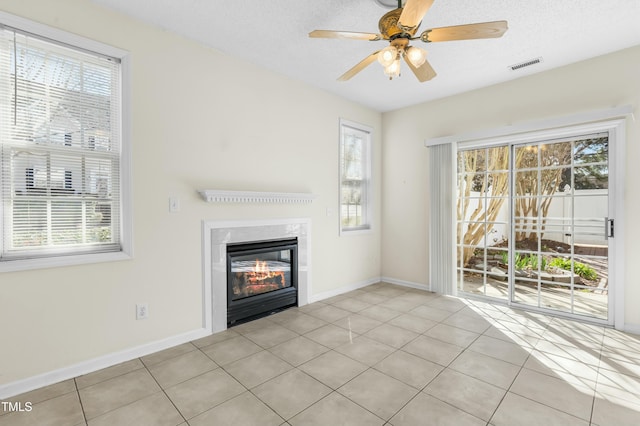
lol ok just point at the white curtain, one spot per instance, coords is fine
(442, 275)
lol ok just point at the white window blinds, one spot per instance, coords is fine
(355, 177)
(60, 149)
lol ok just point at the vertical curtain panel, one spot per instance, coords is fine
(441, 218)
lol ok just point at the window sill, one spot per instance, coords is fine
(356, 231)
(59, 261)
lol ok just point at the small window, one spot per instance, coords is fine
(355, 177)
(61, 147)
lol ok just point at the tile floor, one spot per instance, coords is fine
(382, 355)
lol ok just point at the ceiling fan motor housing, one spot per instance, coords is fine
(389, 28)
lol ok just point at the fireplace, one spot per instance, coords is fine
(261, 278)
(218, 235)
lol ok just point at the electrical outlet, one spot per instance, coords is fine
(142, 311)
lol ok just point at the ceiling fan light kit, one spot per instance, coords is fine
(393, 70)
(399, 27)
(388, 55)
(416, 55)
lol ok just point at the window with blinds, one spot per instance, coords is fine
(355, 177)
(60, 148)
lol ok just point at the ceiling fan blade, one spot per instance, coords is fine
(359, 66)
(492, 29)
(344, 34)
(412, 13)
(424, 72)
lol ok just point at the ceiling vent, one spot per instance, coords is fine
(525, 64)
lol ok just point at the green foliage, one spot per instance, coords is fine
(585, 271)
(526, 262)
(530, 261)
(534, 262)
(591, 159)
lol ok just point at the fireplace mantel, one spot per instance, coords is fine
(225, 196)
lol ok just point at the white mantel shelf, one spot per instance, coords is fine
(253, 197)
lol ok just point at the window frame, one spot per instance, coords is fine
(367, 164)
(80, 43)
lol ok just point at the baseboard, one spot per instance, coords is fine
(355, 286)
(344, 289)
(405, 283)
(25, 385)
(632, 328)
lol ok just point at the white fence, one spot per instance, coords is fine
(581, 215)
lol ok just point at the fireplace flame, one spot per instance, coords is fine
(261, 270)
(258, 278)
(262, 273)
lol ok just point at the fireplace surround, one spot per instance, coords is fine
(216, 235)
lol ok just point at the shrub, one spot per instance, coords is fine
(585, 271)
(527, 261)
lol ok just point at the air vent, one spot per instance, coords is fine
(528, 63)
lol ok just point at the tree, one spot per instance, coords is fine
(480, 170)
(538, 175)
(591, 167)
(540, 171)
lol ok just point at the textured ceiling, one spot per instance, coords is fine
(274, 35)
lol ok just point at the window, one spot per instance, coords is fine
(62, 160)
(355, 177)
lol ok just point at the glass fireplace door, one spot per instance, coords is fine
(261, 278)
(260, 272)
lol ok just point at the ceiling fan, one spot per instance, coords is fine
(399, 27)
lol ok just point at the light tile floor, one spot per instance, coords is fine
(382, 355)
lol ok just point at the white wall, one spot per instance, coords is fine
(201, 120)
(596, 84)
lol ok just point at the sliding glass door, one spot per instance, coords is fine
(532, 224)
(482, 226)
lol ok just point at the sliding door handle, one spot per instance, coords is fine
(609, 228)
